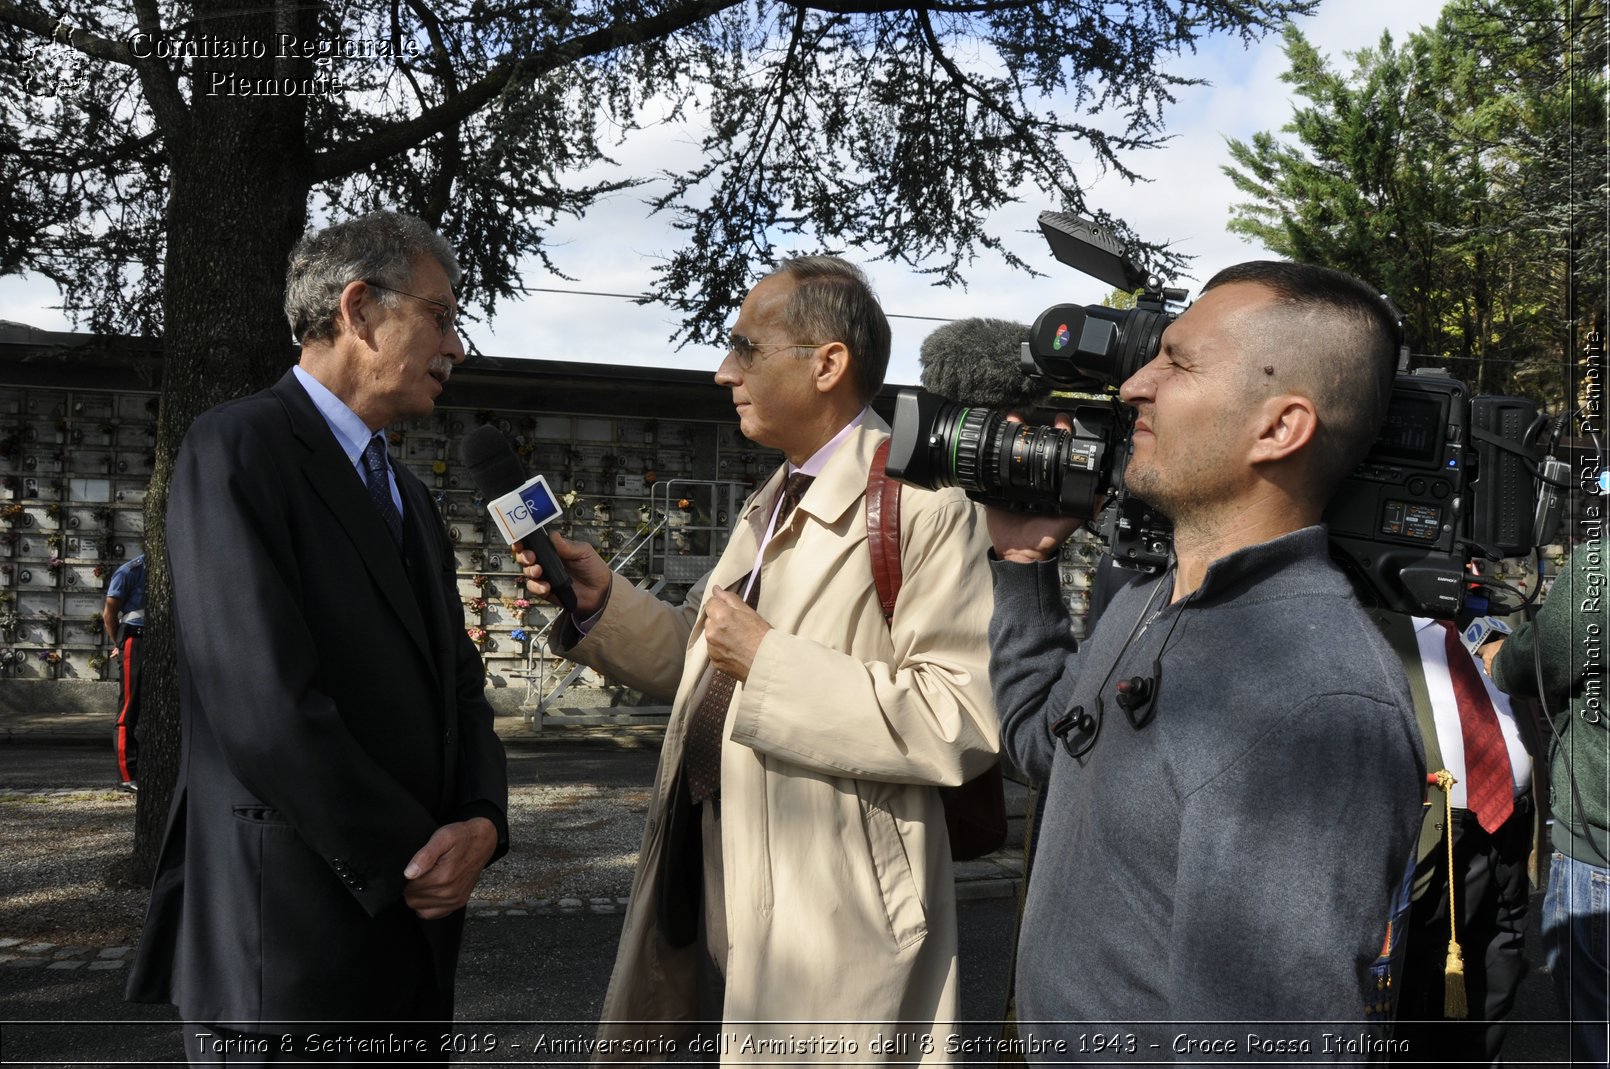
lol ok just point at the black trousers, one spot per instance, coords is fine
(1491, 896)
(421, 1035)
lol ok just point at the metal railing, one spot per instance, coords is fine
(705, 522)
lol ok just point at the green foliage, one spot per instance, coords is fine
(1123, 300)
(1463, 173)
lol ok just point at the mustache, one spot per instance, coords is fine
(441, 367)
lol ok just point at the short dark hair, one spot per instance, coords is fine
(833, 301)
(1349, 367)
(379, 247)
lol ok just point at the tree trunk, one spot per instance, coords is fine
(237, 204)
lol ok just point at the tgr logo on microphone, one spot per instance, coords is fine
(520, 512)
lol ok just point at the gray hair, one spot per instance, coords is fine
(833, 301)
(380, 247)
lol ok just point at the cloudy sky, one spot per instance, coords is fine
(614, 248)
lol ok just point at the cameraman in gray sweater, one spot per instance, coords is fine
(1233, 768)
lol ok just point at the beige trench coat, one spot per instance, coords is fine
(840, 898)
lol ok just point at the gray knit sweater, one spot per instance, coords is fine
(1236, 858)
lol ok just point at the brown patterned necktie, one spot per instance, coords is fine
(701, 756)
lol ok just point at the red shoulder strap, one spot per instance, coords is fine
(883, 530)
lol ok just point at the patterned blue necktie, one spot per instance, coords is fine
(374, 467)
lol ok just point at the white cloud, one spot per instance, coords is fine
(615, 248)
(31, 300)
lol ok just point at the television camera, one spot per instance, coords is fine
(1450, 477)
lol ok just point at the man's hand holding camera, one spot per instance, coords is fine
(1029, 537)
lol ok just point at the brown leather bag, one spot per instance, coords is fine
(975, 812)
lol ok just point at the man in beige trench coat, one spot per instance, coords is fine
(829, 905)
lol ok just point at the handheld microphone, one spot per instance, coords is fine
(979, 362)
(519, 507)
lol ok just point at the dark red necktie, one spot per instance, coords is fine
(1489, 786)
(701, 755)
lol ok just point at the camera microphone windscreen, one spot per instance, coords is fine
(979, 362)
(498, 474)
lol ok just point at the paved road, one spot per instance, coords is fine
(516, 970)
(601, 762)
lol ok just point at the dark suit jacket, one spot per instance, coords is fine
(333, 719)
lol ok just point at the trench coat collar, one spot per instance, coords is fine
(838, 489)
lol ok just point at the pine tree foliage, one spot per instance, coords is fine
(1464, 173)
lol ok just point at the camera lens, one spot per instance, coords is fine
(967, 431)
(966, 447)
(1032, 458)
(1041, 468)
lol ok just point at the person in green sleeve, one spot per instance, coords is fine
(1564, 651)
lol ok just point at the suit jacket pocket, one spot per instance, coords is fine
(261, 814)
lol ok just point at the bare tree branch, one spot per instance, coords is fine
(161, 88)
(389, 140)
(42, 25)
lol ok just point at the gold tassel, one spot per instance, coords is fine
(1453, 985)
(1454, 1005)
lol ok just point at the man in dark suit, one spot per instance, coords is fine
(1495, 860)
(341, 787)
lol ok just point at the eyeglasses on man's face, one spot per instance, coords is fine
(446, 316)
(743, 350)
